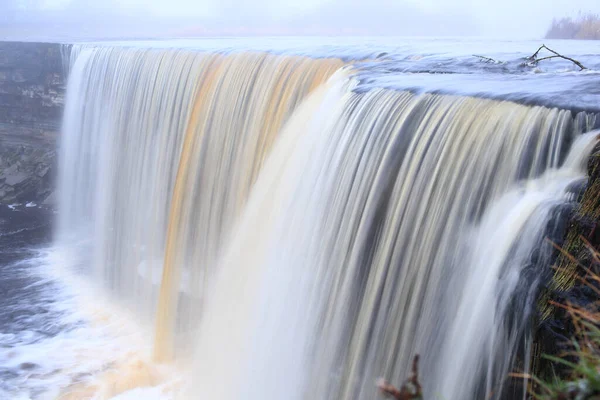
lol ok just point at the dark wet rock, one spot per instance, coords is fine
(26, 173)
(28, 366)
(576, 190)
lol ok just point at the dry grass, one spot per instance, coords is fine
(580, 359)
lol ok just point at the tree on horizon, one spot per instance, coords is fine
(585, 26)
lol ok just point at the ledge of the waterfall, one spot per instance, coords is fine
(570, 90)
(425, 65)
(419, 65)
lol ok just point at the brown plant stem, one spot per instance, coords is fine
(410, 390)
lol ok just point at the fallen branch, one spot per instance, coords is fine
(533, 58)
(410, 390)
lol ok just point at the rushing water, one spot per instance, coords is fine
(236, 223)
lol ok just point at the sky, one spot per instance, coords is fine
(492, 18)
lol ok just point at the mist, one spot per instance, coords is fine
(84, 19)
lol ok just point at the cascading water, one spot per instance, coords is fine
(206, 123)
(292, 233)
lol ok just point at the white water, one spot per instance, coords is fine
(297, 301)
(93, 338)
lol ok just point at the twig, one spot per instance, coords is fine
(410, 390)
(488, 59)
(534, 55)
(535, 60)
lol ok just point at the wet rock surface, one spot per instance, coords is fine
(32, 87)
(26, 173)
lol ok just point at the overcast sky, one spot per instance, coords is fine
(497, 18)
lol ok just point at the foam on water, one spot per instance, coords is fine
(94, 350)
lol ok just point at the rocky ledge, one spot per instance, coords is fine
(32, 87)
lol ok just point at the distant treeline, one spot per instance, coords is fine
(585, 26)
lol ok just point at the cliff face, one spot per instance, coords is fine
(32, 87)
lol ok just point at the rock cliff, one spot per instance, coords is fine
(32, 87)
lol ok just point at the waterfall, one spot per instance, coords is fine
(201, 125)
(290, 235)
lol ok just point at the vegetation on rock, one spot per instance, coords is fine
(576, 369)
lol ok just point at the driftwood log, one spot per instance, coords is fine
(534, 59)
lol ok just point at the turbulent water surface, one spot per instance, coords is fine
(258, 219)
